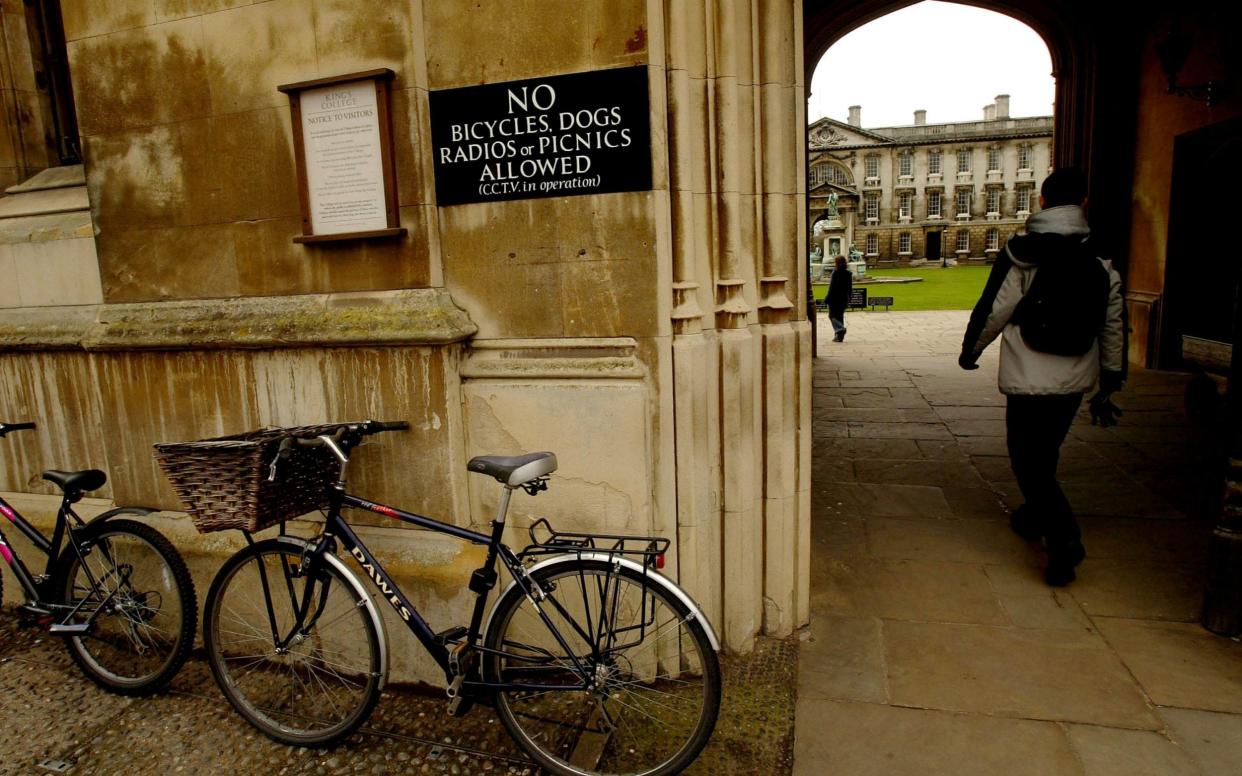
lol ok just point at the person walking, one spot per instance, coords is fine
(1057, 308)
(840, 288)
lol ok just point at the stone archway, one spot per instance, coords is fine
(1096, 70)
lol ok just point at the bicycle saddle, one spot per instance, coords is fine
(513, 470)
(88, 479)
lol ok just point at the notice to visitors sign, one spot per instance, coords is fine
(586, 133)
(344, 166)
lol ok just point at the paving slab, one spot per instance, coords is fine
(1179, 664)
(1111, 752)
(975, 503)
(844, 499)
(939, 473)
(1139, 589)
(905, 449)
(1058, 674)
(1212, 739)
(863, 739)
(941, 450)
(1044, 610)
(843, 659)
(899, 431)
(928, 591)
(1169, 541)
(963, 541)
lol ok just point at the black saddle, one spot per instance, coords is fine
(76, 482)
(513, 470)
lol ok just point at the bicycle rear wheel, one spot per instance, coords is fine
(656, 678)
(134, 589)
(324, 683)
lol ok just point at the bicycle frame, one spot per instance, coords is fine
(336, 529)
(51, 548)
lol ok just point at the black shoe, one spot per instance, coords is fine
(1061, 562)
(838, 337)
(842, 339)
(1024, 524)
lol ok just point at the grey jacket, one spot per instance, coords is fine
(1023, 370)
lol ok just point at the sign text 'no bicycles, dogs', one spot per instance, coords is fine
(586, 133)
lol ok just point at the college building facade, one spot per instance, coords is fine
(939, 193)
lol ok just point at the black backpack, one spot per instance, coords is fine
(1065, 307)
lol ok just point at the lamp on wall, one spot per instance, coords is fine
(1173, 52)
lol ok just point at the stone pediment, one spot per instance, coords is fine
(828, 133)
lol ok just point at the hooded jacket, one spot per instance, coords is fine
(1053, 231)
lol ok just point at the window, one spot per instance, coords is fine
(872, 206)
(963, 160)
(994, 159)
(994, 200)
(873, 244)
(903, 243)
(963, 203)
(905, 164)
(905, 204)
(1024, 200)
(873, 166)
(933, 204)
(933, 162)
(993, 243)
(963, 241)
(1024, 157)
(829, 173)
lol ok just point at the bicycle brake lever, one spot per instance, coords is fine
(281, 452)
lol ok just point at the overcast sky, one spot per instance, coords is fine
(948, 58)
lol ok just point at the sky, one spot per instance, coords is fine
(948, 58)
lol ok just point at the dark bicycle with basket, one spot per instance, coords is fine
(595, 662)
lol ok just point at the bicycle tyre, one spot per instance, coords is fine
(133, 611)
(619, 750)
(252, 680)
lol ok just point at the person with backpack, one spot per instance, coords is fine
(1057, 308)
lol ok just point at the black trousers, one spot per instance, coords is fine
(1035, 427)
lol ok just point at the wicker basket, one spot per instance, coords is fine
(223, 481)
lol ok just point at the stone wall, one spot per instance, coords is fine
(648, 338)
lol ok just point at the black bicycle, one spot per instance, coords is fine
(595, 662)
(117, 592)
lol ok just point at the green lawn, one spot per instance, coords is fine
(952, 288)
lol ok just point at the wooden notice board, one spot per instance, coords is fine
(342, 141)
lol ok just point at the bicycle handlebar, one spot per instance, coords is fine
(5, 428)
(343, 433)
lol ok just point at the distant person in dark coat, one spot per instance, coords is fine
(840, 287)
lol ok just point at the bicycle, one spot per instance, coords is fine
(118, 592)
(594, 661)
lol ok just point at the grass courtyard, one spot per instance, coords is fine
(951, 288)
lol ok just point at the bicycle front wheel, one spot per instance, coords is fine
(653, 679)
(133, 591)
(303, 685)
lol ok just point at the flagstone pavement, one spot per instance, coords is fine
(935, 646)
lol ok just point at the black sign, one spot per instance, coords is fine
(858, 298)
(587, 133)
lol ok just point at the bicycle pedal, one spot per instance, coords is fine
(460, 706)
(76, 629)
(452, 635)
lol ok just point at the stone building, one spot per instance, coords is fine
(163, 289)
(927, 192)
(657, 338)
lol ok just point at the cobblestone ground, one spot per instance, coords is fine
(51, 716)
(935, 646)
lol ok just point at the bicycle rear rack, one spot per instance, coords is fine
(650, 548)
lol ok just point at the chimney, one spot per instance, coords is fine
(989, 112)
(855, 115)
(1002, 106)
(920, 118)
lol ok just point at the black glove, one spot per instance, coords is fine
(967, 361)
(1103, 412)
(1110, 382)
